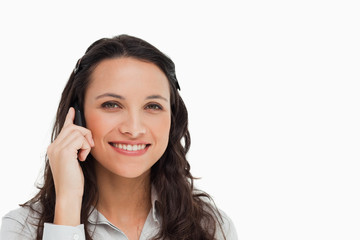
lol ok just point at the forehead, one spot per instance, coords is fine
(128, 76)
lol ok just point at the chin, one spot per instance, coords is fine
(123, 170)
(133, 174)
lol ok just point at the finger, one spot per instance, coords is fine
(83, 154)
(84, 132)
(89, 138)
(74, 139)
(69, 117)
(84, 151)
(69, 132)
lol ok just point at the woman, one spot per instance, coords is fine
(120, 171)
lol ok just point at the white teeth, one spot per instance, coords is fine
(129, 147)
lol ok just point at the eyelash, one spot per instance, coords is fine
(112, 105)
(154, 106)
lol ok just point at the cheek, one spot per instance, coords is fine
(98, 124)
(161, 129)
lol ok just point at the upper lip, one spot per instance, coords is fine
(130, 142)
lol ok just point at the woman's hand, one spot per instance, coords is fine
(72, 144)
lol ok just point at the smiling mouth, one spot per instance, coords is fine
(130, 147)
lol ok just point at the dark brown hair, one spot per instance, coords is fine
(186, 213)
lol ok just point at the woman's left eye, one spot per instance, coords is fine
(154, 106)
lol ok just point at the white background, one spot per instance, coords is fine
(272, 89)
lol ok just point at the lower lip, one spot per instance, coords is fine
(131, 153)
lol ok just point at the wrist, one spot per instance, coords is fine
(67, 211)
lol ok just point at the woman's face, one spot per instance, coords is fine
(127, 109)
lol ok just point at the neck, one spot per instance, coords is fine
(123, 199)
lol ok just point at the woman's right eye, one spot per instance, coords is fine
(110, 105)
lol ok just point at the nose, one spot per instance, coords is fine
(132, 125)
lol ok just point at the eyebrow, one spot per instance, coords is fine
(156, 97)
(110, 95)
(123, 98)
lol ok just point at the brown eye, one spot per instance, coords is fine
(154, 106)
(110, 105)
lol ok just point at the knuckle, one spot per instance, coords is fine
(50, 149)
(75, 132)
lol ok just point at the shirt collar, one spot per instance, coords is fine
(154, 199)
(97, 218)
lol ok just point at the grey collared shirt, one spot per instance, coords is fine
(21, 224)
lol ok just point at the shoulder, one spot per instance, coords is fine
(227, 227)
(21, 222)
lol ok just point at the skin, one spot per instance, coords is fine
(134, 92)
(127, 101)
